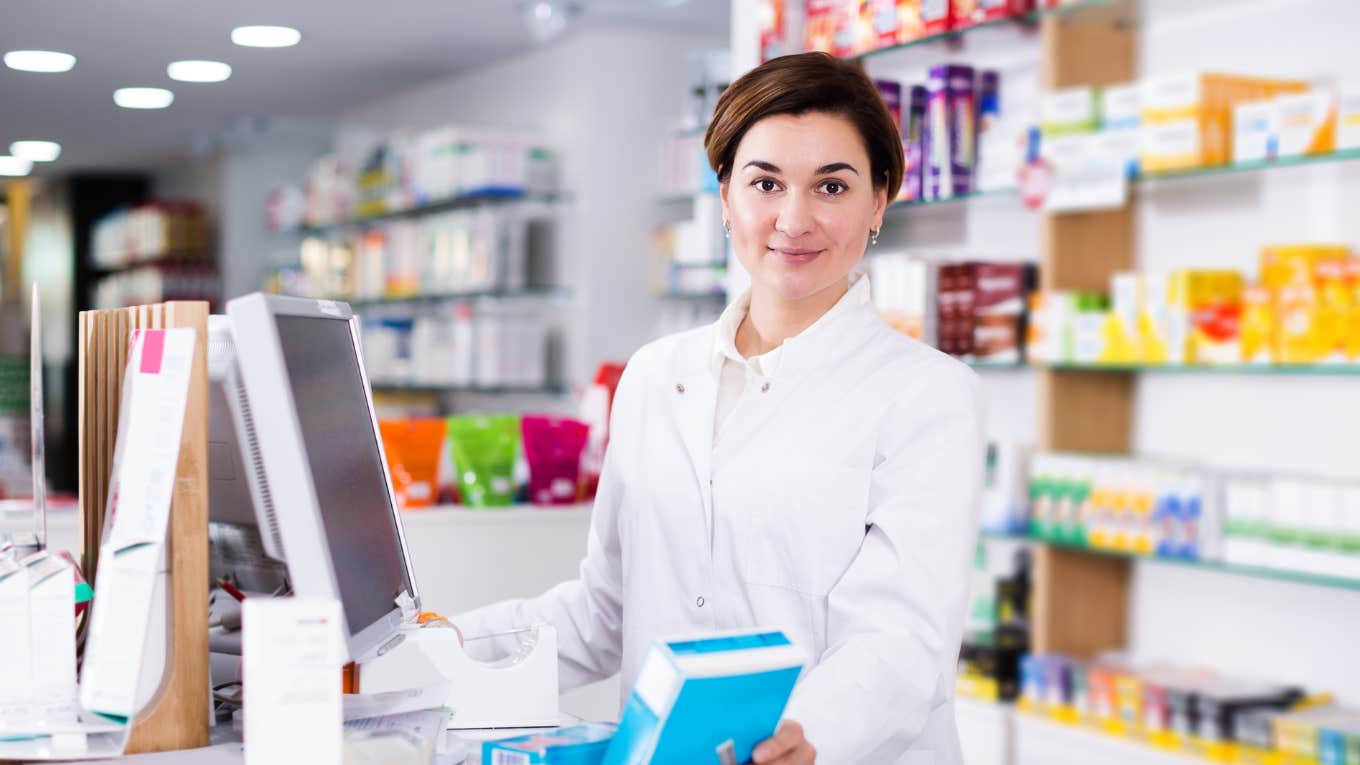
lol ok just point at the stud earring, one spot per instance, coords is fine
(727, 229)
(873, 235)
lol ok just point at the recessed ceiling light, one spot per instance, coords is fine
(143, 98)
(39, 61)
(266, 37)
(14, 167)
(36, 151)
(198, 71)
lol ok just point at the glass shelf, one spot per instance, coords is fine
(1252, 167)
(430, 208)
(674, 295)
(497, 390)
(1283, 370)
(1211, 369)
(1256, 572)
(440, 297)
(675, 197)
(1031, 17)
(991, 194)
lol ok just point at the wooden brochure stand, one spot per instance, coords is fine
(177, 716)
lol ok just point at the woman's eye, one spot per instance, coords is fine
(766, 185)
(833, 188)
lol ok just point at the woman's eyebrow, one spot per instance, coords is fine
(834, 167)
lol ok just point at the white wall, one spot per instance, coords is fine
(604, 98)
(1307, 425)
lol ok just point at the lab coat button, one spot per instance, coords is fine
(765, 387)
(679, 387)
(700, 602)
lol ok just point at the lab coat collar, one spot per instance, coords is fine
(801, 351)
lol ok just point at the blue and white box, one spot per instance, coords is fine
(707, 700)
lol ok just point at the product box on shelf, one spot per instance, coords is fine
(819, 24)
(1256, 131)
(1068, 111)
(891, 92)
(903, 292)
(950, 130)
(913, 136)
(1001, 292)
(1307, 123)
(1348, 120)
(848, 37)
(771, 18)
(969, 12)
(1189, 116)
(937, 16)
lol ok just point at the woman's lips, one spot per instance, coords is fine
(795, 255)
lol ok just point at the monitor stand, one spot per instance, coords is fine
(517, 690)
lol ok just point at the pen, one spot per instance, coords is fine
(231, 590)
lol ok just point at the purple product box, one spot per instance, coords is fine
(951, 112)
(891, 92)
(913, 132)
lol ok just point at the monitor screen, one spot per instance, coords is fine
(346, 464)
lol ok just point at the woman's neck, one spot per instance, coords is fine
(770, 321)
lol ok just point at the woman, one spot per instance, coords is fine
(799, 465)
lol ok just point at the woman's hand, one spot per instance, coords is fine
(787, 746)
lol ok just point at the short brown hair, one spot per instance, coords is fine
(800, 84)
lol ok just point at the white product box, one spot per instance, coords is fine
(1256, 128)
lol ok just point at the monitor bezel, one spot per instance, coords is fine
(264, 375)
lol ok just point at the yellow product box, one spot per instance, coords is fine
(1307, 123)
(1209, 302)
(1189, 117)
(1353, 320)
(1298, 338)
(1297, 263)
(1333, 312)
(1258, 326)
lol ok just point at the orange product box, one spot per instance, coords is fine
(910, 25)
(413, 448)
(771, 21)
(820, 24)
(937, 16)
(1188, 117)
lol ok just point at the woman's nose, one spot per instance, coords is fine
(795, 216)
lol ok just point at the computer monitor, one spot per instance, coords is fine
(313, 455)
(237, 551)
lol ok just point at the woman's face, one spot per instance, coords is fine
(801, 201)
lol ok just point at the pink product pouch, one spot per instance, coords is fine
(553, 447)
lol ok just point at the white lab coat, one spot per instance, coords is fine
(839, 505)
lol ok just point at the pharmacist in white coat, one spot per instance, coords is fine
(798, 465)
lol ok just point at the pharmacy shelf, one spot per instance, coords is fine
(974, 195)
(676, 197)
(443, 297)
(682, 295)
(492, 390)
(430, 208)
(1267, 370)
(1252, 167)
(1041, 741)
(158, 261)
(1256, 572)
(953, 34)
(1212, 369)
(483, 516)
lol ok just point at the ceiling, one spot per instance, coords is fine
(351, 52)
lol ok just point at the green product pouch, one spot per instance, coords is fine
(484, 449)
